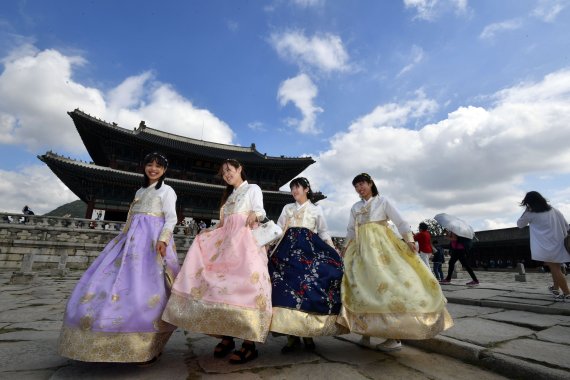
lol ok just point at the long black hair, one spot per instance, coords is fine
(535, 202)
(304, 183)
(229, 188)
(161, 160)
(365, 177)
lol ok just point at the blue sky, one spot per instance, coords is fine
(452, 106)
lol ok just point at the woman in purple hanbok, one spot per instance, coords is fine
(114, 312)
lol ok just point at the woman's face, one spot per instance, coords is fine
(232, 175)
(299, 193)
(364, 189)
(154, 171)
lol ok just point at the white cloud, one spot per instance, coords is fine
(308, 3)
(475, 164)
(416, 56)
(548, 10)
(257, 126)
(301, 91)
(20, 187)
(429, 10)
(324, 52)
(491, 30)
(37, 89)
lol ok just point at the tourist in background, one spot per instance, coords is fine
(423, 237)
(460, 247)
(306, 273)
(386, 290)
(114, 312)
(224, 288)
(548, 228)
(438, 260)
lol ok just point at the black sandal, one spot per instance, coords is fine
(246, 354)
(223, 349)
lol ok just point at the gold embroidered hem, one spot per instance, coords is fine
(301, 323)
(396, 325)
(91, 346)
(217, 319)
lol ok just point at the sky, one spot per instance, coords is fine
(455, 106)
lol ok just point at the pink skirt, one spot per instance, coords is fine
(223, 287)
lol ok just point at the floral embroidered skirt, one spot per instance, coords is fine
(223, 287)
(114, 312)
(306, 275)
(387, 291)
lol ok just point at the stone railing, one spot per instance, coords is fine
(31, 242)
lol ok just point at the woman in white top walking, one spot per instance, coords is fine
(548, 227)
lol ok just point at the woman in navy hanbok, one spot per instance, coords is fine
(306, 273)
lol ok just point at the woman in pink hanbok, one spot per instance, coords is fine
(224, 288)
(114, 312)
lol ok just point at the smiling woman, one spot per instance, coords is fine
(223, 288)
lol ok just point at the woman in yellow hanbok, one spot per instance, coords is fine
(387, 291)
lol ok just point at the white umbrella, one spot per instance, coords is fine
(458, 226)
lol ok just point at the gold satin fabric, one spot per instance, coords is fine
(217, 319)
(300, 323)
(387, 291)
(90, 346)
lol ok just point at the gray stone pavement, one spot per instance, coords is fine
(503, 329)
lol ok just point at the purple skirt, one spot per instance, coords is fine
(114, 312)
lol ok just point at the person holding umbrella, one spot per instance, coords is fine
(461, 235)
(548, 227)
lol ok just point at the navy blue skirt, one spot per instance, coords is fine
(306, 273)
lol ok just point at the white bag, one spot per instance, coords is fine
(266, 233)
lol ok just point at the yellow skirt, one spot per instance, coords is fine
(387, 291)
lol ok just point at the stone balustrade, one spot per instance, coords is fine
(32, 242)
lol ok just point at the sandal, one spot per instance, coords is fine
(224, 347)
(246, 354)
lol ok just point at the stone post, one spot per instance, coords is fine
(61, 270)
(521, 276)
(25, 275)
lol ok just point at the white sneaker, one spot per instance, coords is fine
(389, 345)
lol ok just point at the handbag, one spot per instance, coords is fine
(266, 233)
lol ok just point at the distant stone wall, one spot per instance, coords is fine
(42, 242)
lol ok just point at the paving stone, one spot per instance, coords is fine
(479, 294)
(170, 366)
(524, 318)
(483, 332)
(534, 350)
(555, 334)
(440, 367)
(461, 311)
(529, 301)
(29, 355)
(316, 371)
(39, 325)
(15, 336)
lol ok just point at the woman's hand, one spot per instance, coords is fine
(412, 246)
(251, 219)
(161, 248)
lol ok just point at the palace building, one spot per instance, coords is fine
(111, 180)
